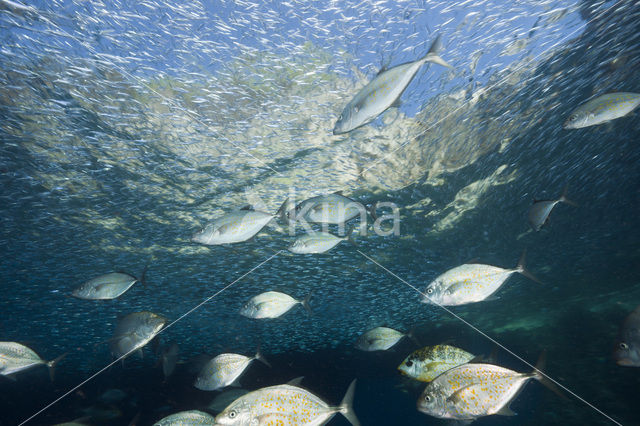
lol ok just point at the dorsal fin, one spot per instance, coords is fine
(247, 207)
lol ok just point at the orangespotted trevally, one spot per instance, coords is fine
(235, 227)
(192, 417)
(383, 91)
(602, 109)
(223, 370)
(285, 405)
(468, 283)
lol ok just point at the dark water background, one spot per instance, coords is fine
(587, 257)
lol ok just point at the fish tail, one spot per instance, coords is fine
(432, 54)
(305, 303)
(346, 406)
(523, 270)
(543, 378)
(261, 357)
(52, 365)
(372, 211)
(143, 276)
(563, 198)
(282, 211)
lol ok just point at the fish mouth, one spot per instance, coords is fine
(626, 362)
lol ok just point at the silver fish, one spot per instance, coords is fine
(272, 304)
(379, 339)
(107, 286)
(223, 370)
(330, 208)
(541, 209)
(169, 359)
(470, 283)
(15, 357)
(192, 417)
(134, 331)
(383, 91)
(235, 227)
(285, 405)
(627, 352)
(602, 109)
(429, 362)
(470, 391)
(318, 242)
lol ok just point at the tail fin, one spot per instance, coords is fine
(305, 303)
(563, 198)
(350, 234)
(432, 55)
(412, 335)
(372, 211)
(282, 211)
(346, 406)
(261, 357)
(523, 270)
(143, 276)
(542, 378)
(52, 366)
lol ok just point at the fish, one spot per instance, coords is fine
(272, 304)
(169, 359)
(135, 330)
(107, 286)
(627, 352)
(474, 390)
(541, 209)
(383, 91)
(602, 109)
(285, 405)
(429, 362)
(469, 283)
(332, 208)
(236, 227)
(380, 339)
(15, 357)
(191, 417)
(318, 242)
(224, 370)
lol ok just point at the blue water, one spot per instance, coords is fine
(126, 126)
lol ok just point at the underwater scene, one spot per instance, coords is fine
(392, 212)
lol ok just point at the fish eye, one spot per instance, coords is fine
(573, 117)
(232, 414)
(427, 398)
(409, 363)
(624, 346)
(340, 118)
(429, 290)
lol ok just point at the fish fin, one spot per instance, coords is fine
(372, 210)
(236, 383)
(543, 378)
(10, 377)
(248, 207)
(350, 234)
(261, 357)
(295, 382)
(140, 354)
(305, 303)
(382, 69)
(52, 365)
(346, 406)
(412, 335)
(563, 198)
(282, 211)
(143, 275)
(340, 192)
(478, 359)
(456, 397)
(492, 298)
(432, 55)
(396, 104)
(523, 270)
(506, 411)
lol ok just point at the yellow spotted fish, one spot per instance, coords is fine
(285, 405)
(602, 109)
(192, 417)
(468, 283)
(224, 369)
(431, 361)
(472, 390)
